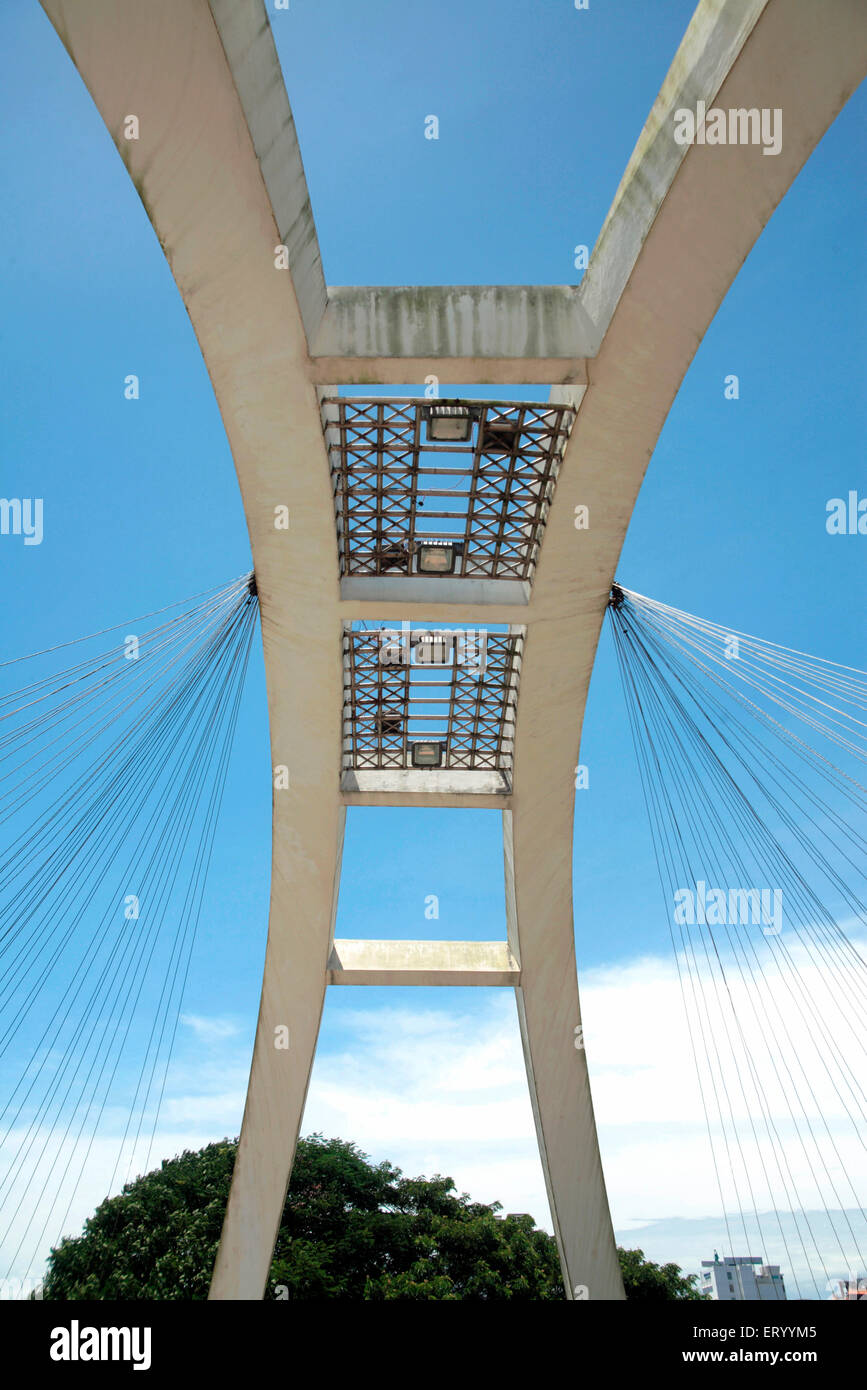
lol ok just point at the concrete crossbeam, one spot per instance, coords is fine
(441, 800)
(386, 589)
(522, 332)
(422, 963)
(497, 371)
(414, 780)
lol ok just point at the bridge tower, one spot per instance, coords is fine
(218, 167)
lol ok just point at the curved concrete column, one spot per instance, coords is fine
(293, 993)
(198, 176)
(541, 938)
(659, 272)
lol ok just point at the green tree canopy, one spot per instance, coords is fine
(350, 1229)
(647, 1282)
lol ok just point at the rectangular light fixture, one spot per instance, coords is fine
(449, 424)
(433, 648)
(427, 754)
(436, 557)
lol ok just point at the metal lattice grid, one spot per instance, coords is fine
(453, 687)
(395, 489)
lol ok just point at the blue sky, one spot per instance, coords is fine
(539, 108)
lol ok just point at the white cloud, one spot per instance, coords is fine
(442, 1089)
(211, 1030)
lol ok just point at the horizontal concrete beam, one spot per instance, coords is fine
(459, 371)
(441, 801)
(386, 333)
(433, 782)
(452, 610)
(422, 963)
(480, 593)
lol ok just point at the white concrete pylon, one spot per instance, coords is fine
(219, 171)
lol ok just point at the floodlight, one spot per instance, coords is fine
(427, 754)
(449, 424)
(436, 557)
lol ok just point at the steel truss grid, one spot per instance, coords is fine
(453, 686)
(394, 490)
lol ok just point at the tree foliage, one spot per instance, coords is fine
(647, 1282)
(350, 1229)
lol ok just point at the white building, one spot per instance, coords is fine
(849, 1290)
(736, 1277)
